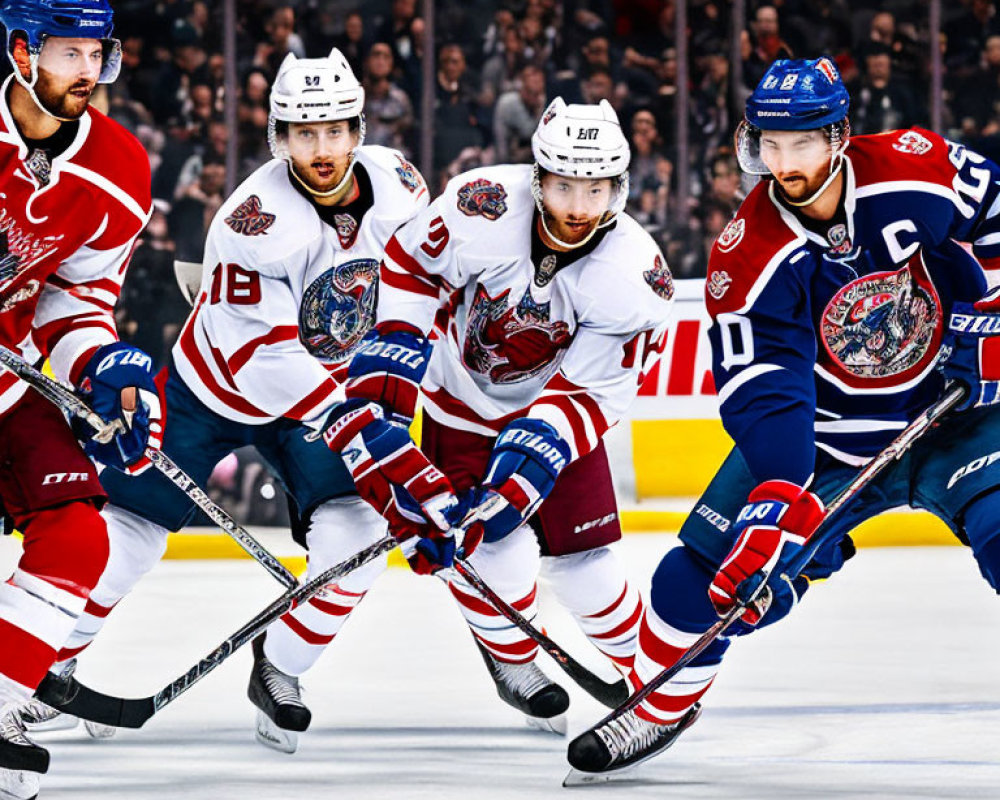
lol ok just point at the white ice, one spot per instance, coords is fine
(884, 684)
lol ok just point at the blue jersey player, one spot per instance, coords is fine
(841, 304)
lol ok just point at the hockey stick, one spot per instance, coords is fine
(66, 399)
(75, 698)
(893, 451)
(609, 694)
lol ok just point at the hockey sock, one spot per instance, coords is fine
(592, 586)
(679, 613)
(65, 550)
(509, 567)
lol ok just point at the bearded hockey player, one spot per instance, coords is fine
(75, 195)
(835, 294)
(288, 291)
(550, 304)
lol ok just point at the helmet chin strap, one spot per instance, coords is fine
(566, 245)
(836, 164)
(337, 191)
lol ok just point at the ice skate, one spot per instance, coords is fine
(530, 691)
(21, 760)
(276, 694)
(39, 717)
(612, 751)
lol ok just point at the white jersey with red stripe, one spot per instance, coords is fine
(526, 331)
(67, 228)
(288, 289)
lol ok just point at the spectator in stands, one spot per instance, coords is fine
(397, 30)
(188, 66)
(352, 42)
(196, 204)
(881, 103)
(388, 111)
(282, 40)
(766, 45)
(500, 71)
(516, 116)
(646, 148)
(456, 124)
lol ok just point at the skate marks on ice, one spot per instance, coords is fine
(882, 685)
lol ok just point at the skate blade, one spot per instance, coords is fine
(270, 735)
(98, 730)
(576, 777)
(556, 724)
(17, 784)
(62, 722)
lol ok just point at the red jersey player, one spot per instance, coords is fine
(74, 195)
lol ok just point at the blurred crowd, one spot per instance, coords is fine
(499, 62)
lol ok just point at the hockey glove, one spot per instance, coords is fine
(112, 369)
(526, 460)
(974, 340)
(388, 368)
(381, 455)
(427, 549)
(776, 512)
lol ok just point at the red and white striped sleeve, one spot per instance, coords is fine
(76, 309)
(596, 383)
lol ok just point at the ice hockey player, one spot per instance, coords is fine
(75, 197)
(556, 302)
(836, 294)
(288, 290)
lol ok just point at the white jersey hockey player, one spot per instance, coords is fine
(555, 305)
(288, 291)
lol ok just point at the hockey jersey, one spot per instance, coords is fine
(525, 331)
(830, 338)
(289, 289)
(67, 228)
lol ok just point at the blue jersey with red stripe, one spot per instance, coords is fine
(830, 339)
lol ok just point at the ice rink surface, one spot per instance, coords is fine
(885, 683)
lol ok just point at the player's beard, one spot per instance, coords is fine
(803, 188)
(571, 235)
(68, 103)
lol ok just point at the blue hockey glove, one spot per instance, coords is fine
(388, 367)
(526, 460)
(111, 369)
(382, 457)
(776, 512)
(974, 341)
(426, 547)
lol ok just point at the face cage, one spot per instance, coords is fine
(620, 189)
(748, 146)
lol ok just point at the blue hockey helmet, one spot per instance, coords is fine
(798, 95)
(82, 19)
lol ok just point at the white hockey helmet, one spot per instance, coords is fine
(577, 140)
(314, 90)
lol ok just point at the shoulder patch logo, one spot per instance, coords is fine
(249, 219)
(912, 143)
(407, 174)
(659, 279)
(483, 198)
(732, 235)
(718, 283)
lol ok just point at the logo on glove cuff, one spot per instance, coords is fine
(981, 324)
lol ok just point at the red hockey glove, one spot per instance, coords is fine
(776, 512)
(381, 455)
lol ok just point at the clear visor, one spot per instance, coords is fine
(754, 147)
(607, 207)
(748, 149)
(112, 61)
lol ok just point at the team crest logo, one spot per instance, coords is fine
(548, 116)
(249, 219)
(912, 143)
(718, 283)
(483, 198)
(732, 235)
(39, 165)
(509, 345)
(338, 309)
(840, 242)
(880, 325)
(546, 270)
(660, 279)
(347, 229)
(407, 174)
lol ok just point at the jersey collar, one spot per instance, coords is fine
(792, 220)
